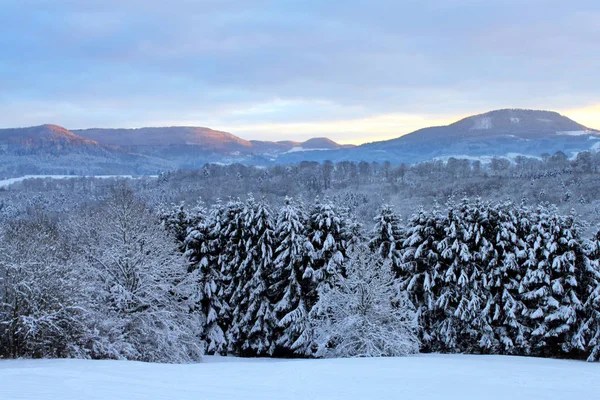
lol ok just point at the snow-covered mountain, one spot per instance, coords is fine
(507, 132)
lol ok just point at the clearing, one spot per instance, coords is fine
(420, 377)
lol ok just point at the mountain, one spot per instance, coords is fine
(43, 135)
(524, 124)
(496, 133)
(504, 133)
(204, 138)
(52, 149)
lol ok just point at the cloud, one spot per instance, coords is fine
(297, 67)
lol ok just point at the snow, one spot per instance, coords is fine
(415, 377)
(574, 133)
(514, 120)
(10, 181)
(486, 159)
(482, 123)
(297, 149)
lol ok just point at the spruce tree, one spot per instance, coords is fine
(328, 235)
(203, 246)
(587, 337)
(253, 321)
(385, 236)
(420, 273)
(551, 286)
(289, 287)
(503, 279)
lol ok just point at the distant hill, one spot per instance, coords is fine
(43, 135)
(200, 137)
(524, 124)
(505, 133)
(205, 138)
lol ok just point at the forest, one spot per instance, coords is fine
(305, 260)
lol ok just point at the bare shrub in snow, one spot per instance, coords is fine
(136, 284)
(363, 315)
(40, 305)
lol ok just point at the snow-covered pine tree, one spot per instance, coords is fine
(360, 316)
(328, 235)
(233, 248)
(465, 254)
(203, 247)
(177, 219)
(385, 236)
(504, 276)
(420, 272)
(253, 319)
(551, 287)
(289, 288)
(587, 337)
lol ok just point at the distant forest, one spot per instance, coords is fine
(570, 184)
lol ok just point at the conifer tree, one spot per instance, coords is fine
(253, 321)
(551, 286)
(503, 279)
(587, 337)
(289, 287)
(177, 219)
(327, 233)
(385, 236)
(421, 269)
(203, 247)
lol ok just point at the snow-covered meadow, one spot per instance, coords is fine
(421, 377)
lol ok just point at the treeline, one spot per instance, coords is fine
(568, 183)
(502, 279)
(484, 278)
(248, 278)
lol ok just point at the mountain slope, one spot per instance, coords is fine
(42, 135)
(496, 133)
(206, 138)
(525, 124)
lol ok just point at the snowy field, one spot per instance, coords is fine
(420, 377)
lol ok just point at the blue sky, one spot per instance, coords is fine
(352, 70)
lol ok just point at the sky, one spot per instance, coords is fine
(355, 71)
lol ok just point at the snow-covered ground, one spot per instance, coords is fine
(420, 377)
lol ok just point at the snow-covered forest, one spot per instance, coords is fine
(126, 274)
(362, 187)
